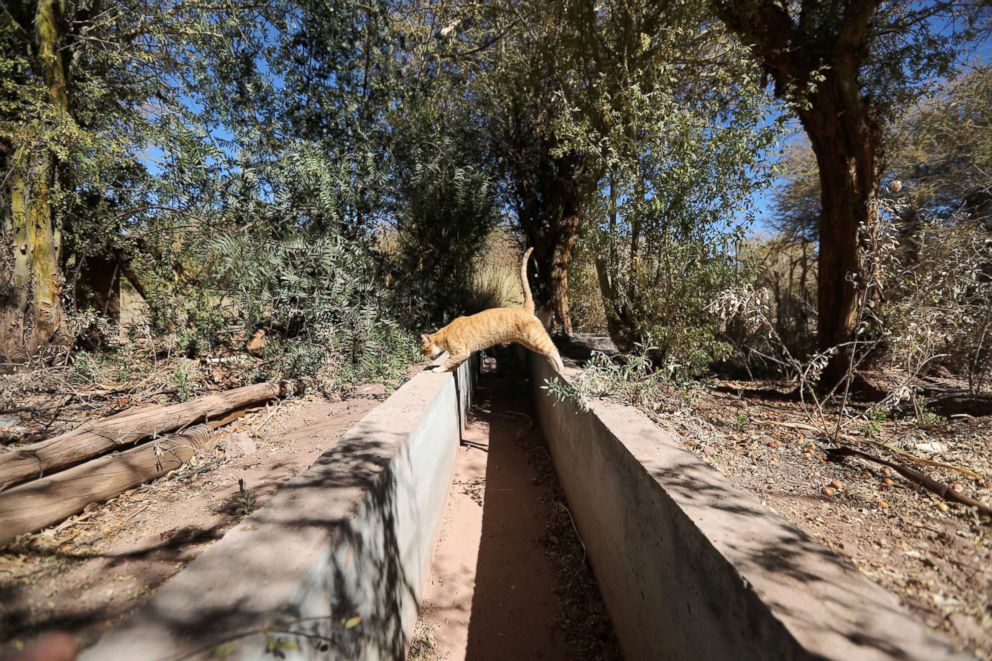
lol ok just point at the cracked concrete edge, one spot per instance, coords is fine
(691, 567)
(334, 564)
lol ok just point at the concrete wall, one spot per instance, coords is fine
(350, 537)
(693, 568)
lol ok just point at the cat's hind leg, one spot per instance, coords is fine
(555, 360)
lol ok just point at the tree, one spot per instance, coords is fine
(847, 68)
(520, 54)
(86, 87)
(669, 162)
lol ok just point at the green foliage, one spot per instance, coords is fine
(449, 211)
(742, 422)
(936, 209)
(926, 418)
(86, 366)
(632, 379)
(318, 302)
(665, 295)
(244, 501)
(182, 379)
(873, 422)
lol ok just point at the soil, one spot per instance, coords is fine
(934, 555)
(89, 572)
(509, 578)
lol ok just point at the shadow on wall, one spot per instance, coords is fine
(335, 561)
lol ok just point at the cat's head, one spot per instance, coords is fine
(429, 348)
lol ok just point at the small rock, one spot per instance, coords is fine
(837, 484)
(957, 487)
(942, 507)
(371, 390)
(967, 626)
(256, 343)
(934, 447)
(888, 482)
(828, 492)
(239, 444)
(884, 504)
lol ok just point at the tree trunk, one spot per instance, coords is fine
(553, 255)
(619, 321)
(114, 433)
(845, 138)
(823, 52)
(31, 313)
(619, 324)
(44, 502)
(30, 304)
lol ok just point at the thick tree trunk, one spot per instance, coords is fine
(823, 52)
(619, 323)
(36, 505)
(553, 255)
(846, 140)
(31, 313)
(116, 432)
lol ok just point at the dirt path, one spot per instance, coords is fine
(497, 590)
(89, 572)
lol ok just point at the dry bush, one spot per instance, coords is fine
(939, 300)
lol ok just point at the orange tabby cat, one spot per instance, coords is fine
(491, 327)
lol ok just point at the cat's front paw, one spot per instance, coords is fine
(437, 369)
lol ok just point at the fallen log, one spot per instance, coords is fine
(41, 503)
(100, 436)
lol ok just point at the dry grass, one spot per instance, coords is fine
(496, 275)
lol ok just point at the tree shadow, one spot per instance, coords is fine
(334, 561)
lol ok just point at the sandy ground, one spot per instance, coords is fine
(498, 589)
(89, 572)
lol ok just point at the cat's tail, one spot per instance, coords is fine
(528, 299)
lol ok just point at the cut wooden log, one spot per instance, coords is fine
(100, 436)
(41, 503)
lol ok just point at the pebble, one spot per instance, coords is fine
(828, 492)
(239, 444)
(942, 507)
(884, 504)
(837, 484)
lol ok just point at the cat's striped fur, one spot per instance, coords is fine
(491, 327)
